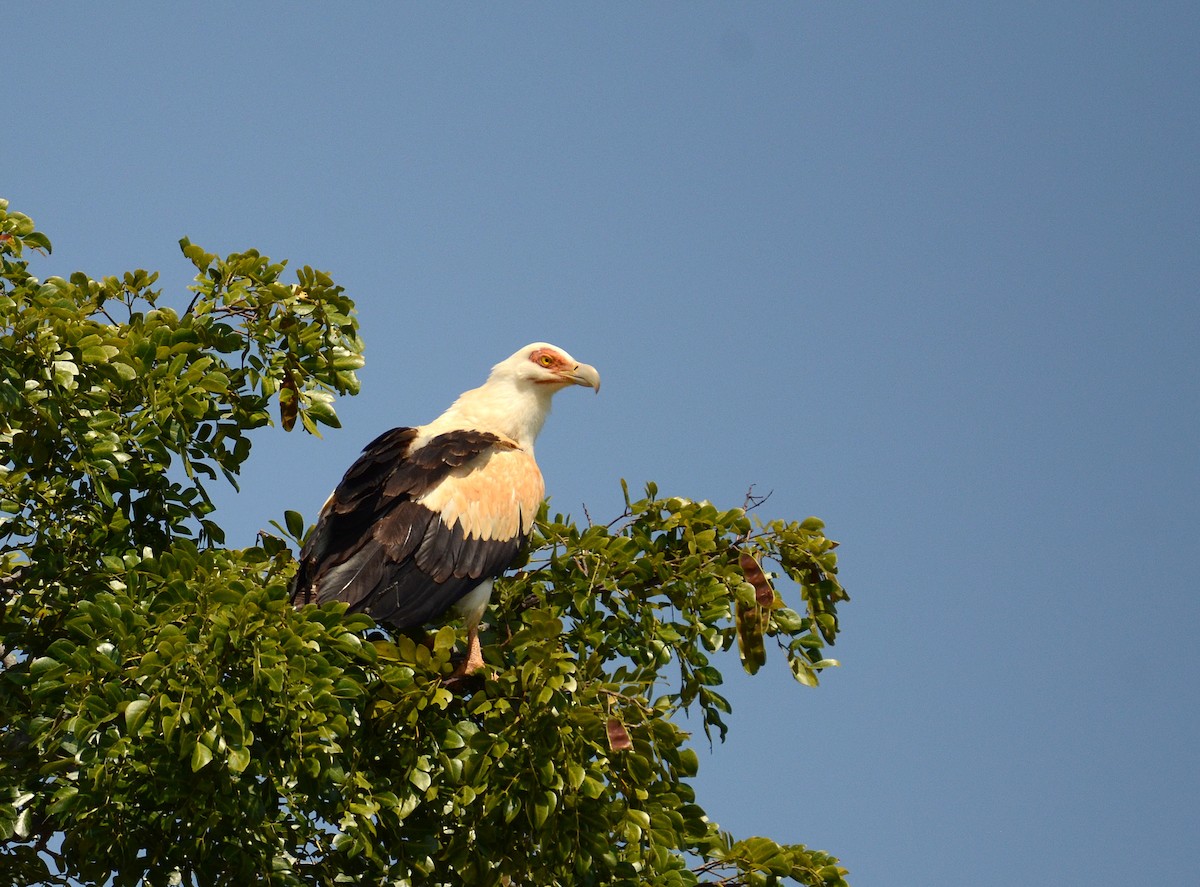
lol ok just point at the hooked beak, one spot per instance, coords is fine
(582, 374)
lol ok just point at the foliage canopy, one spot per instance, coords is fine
(167, 717)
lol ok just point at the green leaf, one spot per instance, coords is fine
(38, 240)
(420, 779)
(24, 823)
(295, 523)
(201, 756)
(575, 775)
(543, 806)
(135, 715)
(802, 671)
(238, 760)
(99, 353)
(124, 371)
(64, 799)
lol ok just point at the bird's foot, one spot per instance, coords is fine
(472, 671)
(467, 679)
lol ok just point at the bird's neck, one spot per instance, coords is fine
(500, 406)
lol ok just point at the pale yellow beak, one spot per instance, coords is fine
(583, 374)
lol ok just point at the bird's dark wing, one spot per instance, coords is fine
(395, 541)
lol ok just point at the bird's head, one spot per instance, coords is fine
(542, 364)
(516, 397)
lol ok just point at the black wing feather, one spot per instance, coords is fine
(412, 596)
(388, 555)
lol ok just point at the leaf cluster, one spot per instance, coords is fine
(673, 581)
(117, 408)
(166, 716)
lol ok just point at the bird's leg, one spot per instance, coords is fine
(471, 667)
(474, 660)
(472, 607)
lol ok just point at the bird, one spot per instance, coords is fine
(428, 516)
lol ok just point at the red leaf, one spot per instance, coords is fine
(289, 403)
(763, 592)
(618, 736)
(750, 619)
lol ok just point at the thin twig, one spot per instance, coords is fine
(752, 501)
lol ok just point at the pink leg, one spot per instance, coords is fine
(474, 653)
(474, 661)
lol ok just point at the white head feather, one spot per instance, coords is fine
(515, 399)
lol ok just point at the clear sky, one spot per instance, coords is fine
(926, 270)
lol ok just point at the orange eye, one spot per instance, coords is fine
(546, 360)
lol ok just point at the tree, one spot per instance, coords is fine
(167, 717)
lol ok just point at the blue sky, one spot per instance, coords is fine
(926, 270)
